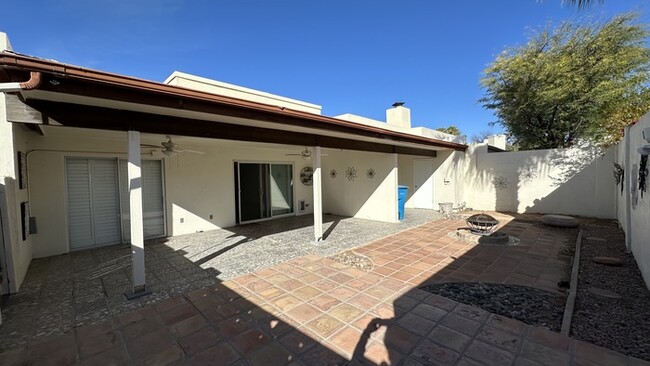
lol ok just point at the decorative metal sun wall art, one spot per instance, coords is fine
(370, 173)
(351, 173)
(333, 173)
(643, 174)
(500, 182)
(307, 175)
(619, 175)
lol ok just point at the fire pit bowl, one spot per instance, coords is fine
(482, 224)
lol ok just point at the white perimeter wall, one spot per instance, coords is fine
(196, 186)
(13, 139)
(575, 181)
(638, 228)
(362, 197)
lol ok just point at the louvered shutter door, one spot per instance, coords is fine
(79, 208)
(152, 199)
(105, 201)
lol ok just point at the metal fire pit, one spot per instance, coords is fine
(482, 224)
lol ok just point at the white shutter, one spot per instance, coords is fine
(93, 206)
(124, 197)
(79, 208)
(152, 199)
(106, 207)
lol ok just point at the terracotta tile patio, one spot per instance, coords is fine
(314, 311)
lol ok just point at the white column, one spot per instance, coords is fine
(135, 204)
(395, 174)
(318, 197)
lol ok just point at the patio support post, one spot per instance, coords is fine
(396, 187)
(318, 197)
(136, 219)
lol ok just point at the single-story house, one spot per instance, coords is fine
(90, 158)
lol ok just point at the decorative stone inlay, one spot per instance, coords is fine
(604, 293)
(355, 260)
(609, 261)
(333, 173)
(370, 173)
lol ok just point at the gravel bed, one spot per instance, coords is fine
(622, 325)
(529, 305)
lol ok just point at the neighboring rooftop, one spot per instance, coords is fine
(194, 82)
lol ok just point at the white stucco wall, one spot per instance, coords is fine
(365, 198)
(575, 181)
(638, 231)
(196, 186)
(12, 140)
(446, 182)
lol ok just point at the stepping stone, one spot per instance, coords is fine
(604, 293)
(609, 261)
(594, 238)
(560, 221)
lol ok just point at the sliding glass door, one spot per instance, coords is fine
(265, 190)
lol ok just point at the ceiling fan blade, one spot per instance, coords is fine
(192, 151)
(293, 154)
(150, 145)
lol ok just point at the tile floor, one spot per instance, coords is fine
(315, 311)
(85, 287)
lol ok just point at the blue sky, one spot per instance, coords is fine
(348, 56)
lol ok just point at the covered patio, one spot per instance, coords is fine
(87, 137)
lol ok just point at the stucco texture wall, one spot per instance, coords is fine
(12, 140)
(446, 181)
(355, 192)
(632, 204)
(575, 181)
(196, 186)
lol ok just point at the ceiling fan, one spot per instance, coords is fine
(169, 147)
(305, 154)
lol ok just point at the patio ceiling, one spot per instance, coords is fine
(77, 97)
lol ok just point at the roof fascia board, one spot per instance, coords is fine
(151, 91)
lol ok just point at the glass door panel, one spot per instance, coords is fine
(281, 189)
(253, 196)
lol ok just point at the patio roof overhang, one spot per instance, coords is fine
(73, 96)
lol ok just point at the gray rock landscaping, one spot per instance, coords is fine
(622, 324)
(529, 305)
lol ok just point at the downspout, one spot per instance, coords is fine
(34, 81)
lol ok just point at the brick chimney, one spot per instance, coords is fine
(399, 116)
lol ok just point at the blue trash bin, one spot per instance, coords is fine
(402, 194)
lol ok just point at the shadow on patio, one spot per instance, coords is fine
(315, 311)
(74, 290)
